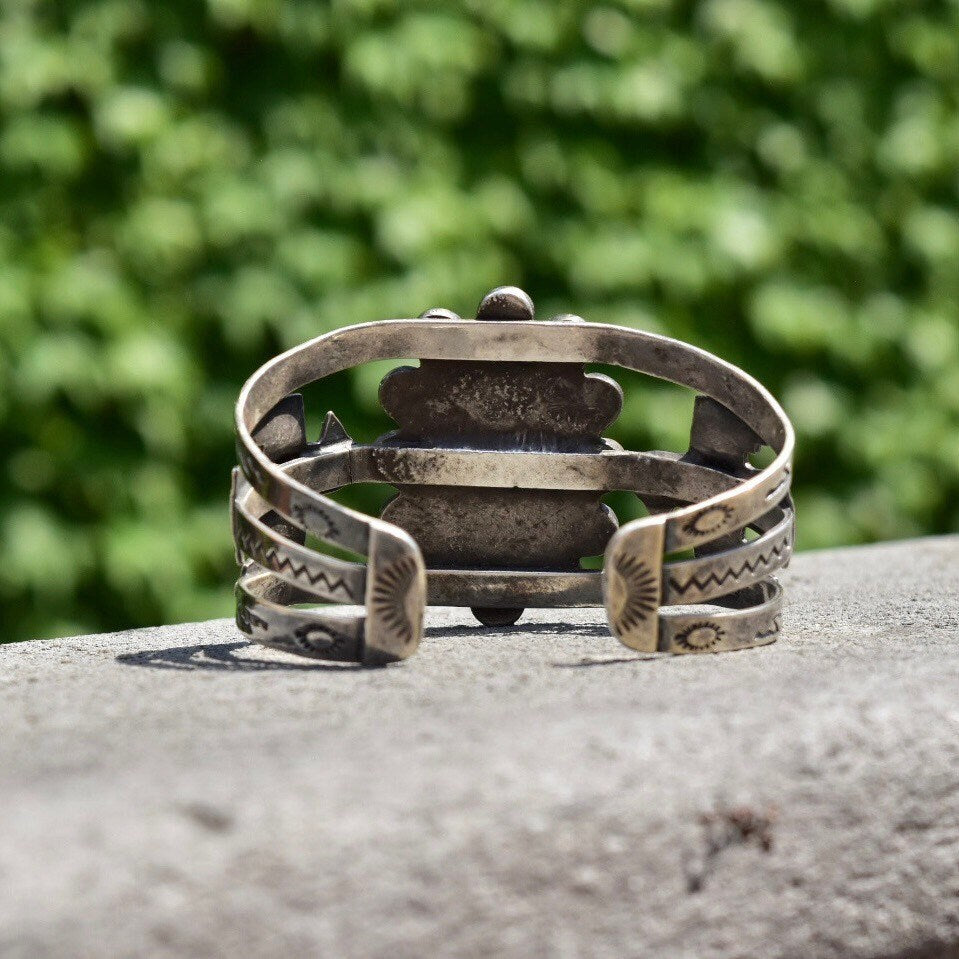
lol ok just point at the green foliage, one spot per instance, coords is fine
(186, 189)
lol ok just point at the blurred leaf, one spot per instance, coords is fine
(187, 189)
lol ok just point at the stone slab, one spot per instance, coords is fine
(532, 792)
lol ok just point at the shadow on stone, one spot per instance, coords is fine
(588, 661)
(570, 630)
(524, 629)
(221, 657)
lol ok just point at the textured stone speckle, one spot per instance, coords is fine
(537, 791)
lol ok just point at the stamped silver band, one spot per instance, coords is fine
(704, 500)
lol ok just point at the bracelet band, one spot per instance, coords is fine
(500, 468)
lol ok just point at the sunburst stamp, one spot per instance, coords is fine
(313, 638)
(394, 600)
(635, 592)
(700, 637)
(710, 520)
(313, 519)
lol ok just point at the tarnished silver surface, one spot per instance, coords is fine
(500, 465)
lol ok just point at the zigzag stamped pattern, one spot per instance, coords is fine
(731, 574)
(270, 557)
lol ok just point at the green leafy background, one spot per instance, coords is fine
(186, 188)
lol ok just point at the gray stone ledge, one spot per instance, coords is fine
(535, 792)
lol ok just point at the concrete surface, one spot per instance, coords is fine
(536, 792)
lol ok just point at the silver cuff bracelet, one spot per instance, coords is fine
(500, 468)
